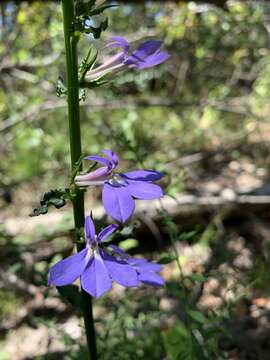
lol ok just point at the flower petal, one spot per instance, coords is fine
(120, 252)
(110, 67)
(117, 202)
(106, 232)
(89, 228)
(146, 49)
(144, 265)
(112, 156)
(99, 160)
(95, 279)
(143, 175)
(68, 270)
(153, 60)
(118, 41)
(93, 175)
(110, 63)
(120, 271)
(144, 190)
(151, 278)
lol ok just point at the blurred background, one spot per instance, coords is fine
(203, 119)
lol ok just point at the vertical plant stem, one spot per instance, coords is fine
(75, 151)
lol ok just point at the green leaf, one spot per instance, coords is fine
(197, 277)
(166, 259)
(178, 343)
(56, 198)
(128, 244)
(42, 210)
(197, 316)
(188, 236)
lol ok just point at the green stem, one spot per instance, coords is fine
(75, 151)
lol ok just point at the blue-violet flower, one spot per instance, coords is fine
(120, 189)
(145, 56)
(97, 266)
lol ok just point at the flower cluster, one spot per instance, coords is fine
(100, 262)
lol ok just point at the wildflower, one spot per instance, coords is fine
(146, 55)
(97, 266)
(120, 189)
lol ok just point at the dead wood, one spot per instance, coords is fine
(187, 206)
(191, 205)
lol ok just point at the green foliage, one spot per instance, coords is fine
(9, 302)
(218, 48)
(196, 277)
(197, 339)
(166, 259)
(259, 276)
(56, 198)
(211, 93)
(124, 337)
(128, 244)
(213, 44)
(178, 343)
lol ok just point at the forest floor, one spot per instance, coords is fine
(231, 244)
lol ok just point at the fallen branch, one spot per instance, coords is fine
(181, 206)
(190, 205)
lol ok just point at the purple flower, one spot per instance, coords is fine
(97, 266)
(146, 270)
(146, 55)
(120, 189)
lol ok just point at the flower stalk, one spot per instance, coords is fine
(75, 151)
